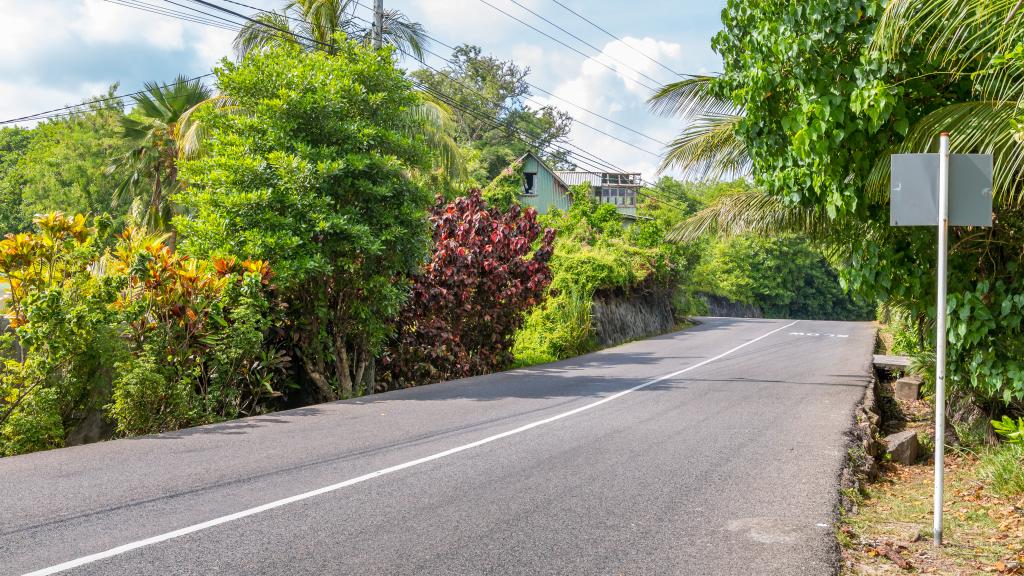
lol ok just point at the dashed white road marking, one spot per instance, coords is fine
(825, 335)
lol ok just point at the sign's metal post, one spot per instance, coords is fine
(941, 189)
(940, 336)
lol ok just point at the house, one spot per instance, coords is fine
(544, 187)
(615, 188)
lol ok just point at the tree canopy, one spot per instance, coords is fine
(818, 94)
(315, 177)
(61, 164)
(486, 98)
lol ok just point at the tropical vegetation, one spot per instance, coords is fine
(813, 99)
(305, 227)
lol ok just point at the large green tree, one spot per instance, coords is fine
(814, 97)
(486, 98)
(315, 178)
(60, 164)
(14, 141)
(316, 26)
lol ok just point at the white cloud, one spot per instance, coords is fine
(19, 99)
(459, 18)
(213, 44)
(101, 22)
(27, 26)
(618, 92)
(57, 53)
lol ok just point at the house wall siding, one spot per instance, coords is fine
(548, 192)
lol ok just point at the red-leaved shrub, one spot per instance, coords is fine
(469, 300)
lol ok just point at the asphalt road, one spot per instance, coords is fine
(715, 450)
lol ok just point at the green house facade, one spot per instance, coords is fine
(544, 188)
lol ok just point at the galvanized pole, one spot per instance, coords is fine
(940, 336)
(378, 23)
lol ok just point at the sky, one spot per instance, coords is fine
(59, 52)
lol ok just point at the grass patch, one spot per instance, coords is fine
(1002, 469)
(984, 528)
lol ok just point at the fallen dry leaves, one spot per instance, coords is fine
(891, 533)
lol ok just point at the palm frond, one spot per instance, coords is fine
(432, 120)
(192, 133)
(689, 98)
(753, 211)
(974, 127)
(407, 36)
(165, 103)
(322, 19)
(708, 148)
(271, 28)
(958, 36)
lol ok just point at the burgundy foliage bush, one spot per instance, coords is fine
(469, 300)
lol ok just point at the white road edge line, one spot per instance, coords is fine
(299, 497)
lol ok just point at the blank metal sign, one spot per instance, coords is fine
(914, 191)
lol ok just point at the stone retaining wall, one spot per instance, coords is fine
(619, 318)
(721, 306)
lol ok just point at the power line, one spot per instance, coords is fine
(614, 37)
(193, 9)
(76, 108)
(549, 93)
(538, 30)
(590, 165)
(605, 118)
(454, 104)
(139, 5)
(575, 120)
(581, 154)
(599, 51)
(503, 109)
(258, 22)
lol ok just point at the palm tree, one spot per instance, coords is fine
(974, 39)
(977, 40)
(708, 147)
(149, 170)
(313, 24)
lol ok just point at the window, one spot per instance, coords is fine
(528, 178)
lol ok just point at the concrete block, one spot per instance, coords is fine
(907, 388)
(902, 447)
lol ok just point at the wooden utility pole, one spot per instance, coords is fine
(378, 23)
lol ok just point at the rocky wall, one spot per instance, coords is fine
(619, 318)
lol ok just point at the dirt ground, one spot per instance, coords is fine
(891, 531)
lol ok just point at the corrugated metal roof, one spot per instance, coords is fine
(572, 178)
(612, 179)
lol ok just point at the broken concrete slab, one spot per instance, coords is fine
(887, 362)
(907, 388)
(902, 447)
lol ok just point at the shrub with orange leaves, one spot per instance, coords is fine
(157, 339)
(62, 340)
(197, 327)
